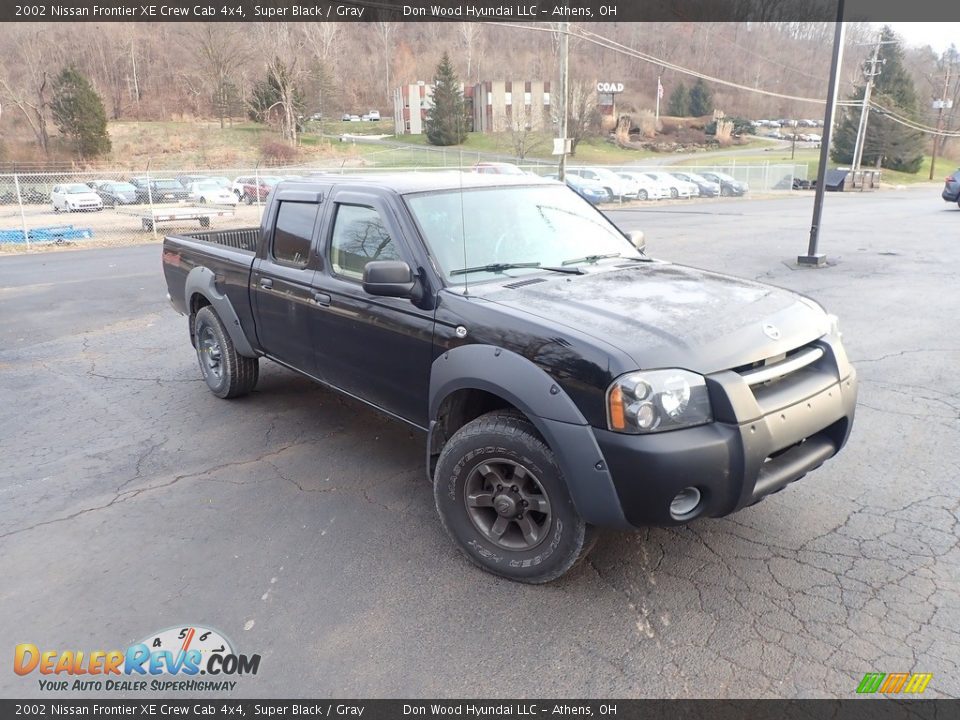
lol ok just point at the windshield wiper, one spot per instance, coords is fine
(494, 268)
(500, 267)
(590, 258)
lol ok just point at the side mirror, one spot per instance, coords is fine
(390, 278)
(638, 239)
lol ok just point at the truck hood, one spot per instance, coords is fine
(666, 315)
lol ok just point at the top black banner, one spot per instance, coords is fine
(476, 11)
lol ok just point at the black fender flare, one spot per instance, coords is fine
(538, 396)
(202, 281)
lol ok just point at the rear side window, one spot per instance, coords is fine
(294, 232)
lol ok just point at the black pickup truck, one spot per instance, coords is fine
(565, 380)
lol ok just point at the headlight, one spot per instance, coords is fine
(657, 400)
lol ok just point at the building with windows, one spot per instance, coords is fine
(492, 105)
(504, 105)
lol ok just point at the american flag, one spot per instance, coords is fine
(659, 89)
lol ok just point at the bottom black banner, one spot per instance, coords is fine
(860, 709)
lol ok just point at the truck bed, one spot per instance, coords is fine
(228, 253)
(239, 239)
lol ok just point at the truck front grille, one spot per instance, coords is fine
(779, 367)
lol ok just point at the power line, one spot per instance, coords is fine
(609, 44)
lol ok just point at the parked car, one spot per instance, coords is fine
(580, 384)
(114, 192)
(249, 189)
(590, 190)
(729, 186)
(374, 115)
(74, 197)
(616, 186)
(497, 168)
(951, 187)
(647, 187)
(210, 191)
(345, 117)
(159, 191)
(705, 188)
(678, 188)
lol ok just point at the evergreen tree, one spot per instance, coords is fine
(896, 147)
(446, 121)
(78, 112)
(701, 100)
(679, 105)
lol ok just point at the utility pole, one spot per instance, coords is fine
(564, 94)
(942, 102)
(865, 107)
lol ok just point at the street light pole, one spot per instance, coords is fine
(813, 258)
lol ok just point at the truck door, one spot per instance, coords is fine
(281, 281)
(377, 348)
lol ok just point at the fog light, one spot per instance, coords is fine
(685, 502)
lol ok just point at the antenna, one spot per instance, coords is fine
(463, 222)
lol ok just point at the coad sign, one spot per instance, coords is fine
(609, 87)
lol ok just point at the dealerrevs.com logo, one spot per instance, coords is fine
(170, 660)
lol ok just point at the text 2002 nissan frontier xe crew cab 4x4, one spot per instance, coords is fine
(565, 381)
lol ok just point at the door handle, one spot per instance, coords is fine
(322, 299)
(266, 283)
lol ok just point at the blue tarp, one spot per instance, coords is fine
(54, 233)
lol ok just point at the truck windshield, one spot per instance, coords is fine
(536, 226)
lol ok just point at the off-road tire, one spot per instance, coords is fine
(509, 438)
(229, 374)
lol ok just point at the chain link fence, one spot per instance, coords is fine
(113, 207)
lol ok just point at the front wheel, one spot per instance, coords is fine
(642, 195)
(502, 497)
(674, 193)
(726, 192)
(227, 373)
(248, 199)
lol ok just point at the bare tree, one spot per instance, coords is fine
(286, 62)
(471, 35)
(220, 50)
(25, 85)
(386, 31)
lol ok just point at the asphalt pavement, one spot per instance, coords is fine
(300, 524)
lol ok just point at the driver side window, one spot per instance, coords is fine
(359, 236)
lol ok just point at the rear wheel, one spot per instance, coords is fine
(674, 193)
(247, 199)
(227, 373)
(502, 497)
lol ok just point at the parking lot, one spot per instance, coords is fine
(300, 523)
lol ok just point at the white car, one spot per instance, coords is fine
(647, 187)
(678, 188)
(212, 192)
(374, 115)
(616, 186)
(74, 197)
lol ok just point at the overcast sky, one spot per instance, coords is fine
(937, 35)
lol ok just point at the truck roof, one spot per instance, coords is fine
(413, 182)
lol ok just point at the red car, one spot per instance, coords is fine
(248, 189)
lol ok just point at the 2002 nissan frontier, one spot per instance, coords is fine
(565, 381)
